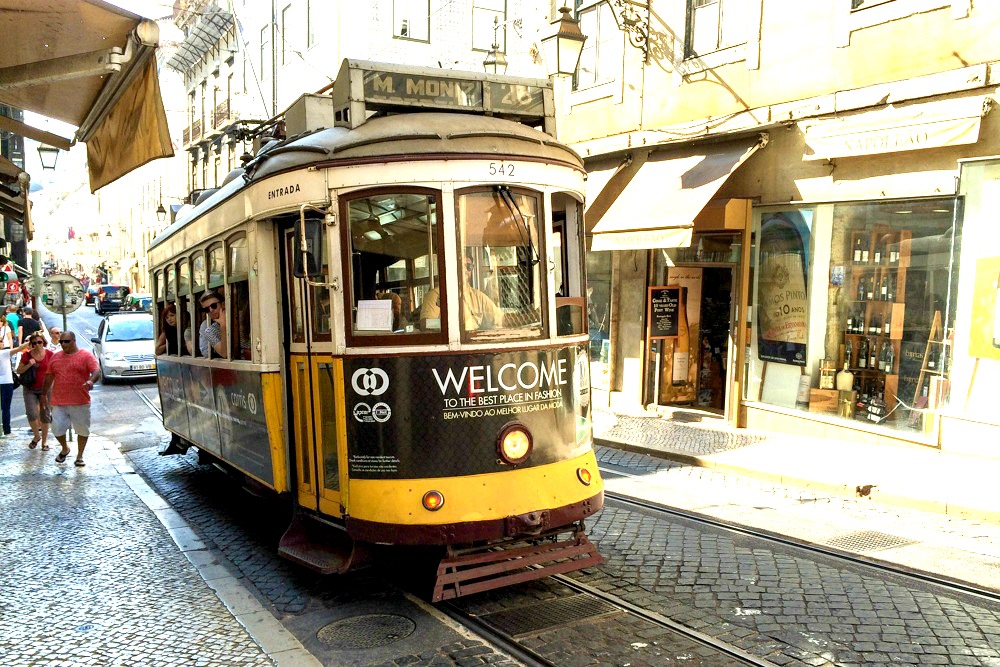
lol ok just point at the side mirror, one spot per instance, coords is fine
(95, 340)
(308, 247)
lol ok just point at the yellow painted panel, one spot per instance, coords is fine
(274, 412)
(476, 497)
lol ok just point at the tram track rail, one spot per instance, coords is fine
(870, 563)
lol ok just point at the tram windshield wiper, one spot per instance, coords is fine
(507, 197)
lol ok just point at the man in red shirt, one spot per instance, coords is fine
(72, 374)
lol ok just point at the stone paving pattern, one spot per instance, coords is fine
(91, 577)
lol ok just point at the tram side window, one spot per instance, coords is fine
(394, 239)
(568, 252)
(238, 313)
(502, 293)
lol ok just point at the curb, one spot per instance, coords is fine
(270, 635)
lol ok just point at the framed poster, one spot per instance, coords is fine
(663, 310)
(782, 286)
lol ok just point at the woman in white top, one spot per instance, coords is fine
(7, 383)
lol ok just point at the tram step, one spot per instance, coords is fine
(483, 569)
(321, 547)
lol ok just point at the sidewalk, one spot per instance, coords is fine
(98, 570)
(913, 477)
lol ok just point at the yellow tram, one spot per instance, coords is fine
(383, 315)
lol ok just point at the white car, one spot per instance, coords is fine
(124, 346)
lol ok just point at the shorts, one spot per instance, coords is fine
(32, 408)
(77, 416)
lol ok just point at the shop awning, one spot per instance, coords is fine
(11, 206)
(661, 196)
(90, 64)
(894, 129)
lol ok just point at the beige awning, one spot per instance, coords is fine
(86, 62)
(910, 127)
(661, 193)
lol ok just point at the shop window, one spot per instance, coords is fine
(887, 280)
(500, 281)
(394, 241)
(599, 316)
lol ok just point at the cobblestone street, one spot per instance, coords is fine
(91, 576)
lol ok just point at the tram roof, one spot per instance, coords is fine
(412, 136)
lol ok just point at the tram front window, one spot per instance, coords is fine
(501, 280)
(394, 260)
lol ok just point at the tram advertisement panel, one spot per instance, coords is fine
(434, 416)
(219, 410)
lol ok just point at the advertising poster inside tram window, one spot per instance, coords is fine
(782, 288)
(242, 426)
(170, 377)
(433, 416)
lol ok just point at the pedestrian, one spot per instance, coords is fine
(6, 333)
(212, 332)
(7, 384)
(13, 319)
(33, 369)
(53, 343)
(27, 325)
(72, 374)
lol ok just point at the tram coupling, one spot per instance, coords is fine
(477, 569)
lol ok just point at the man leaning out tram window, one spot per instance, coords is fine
(212, 332)
(478, 310)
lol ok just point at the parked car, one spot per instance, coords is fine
(124, 346)
(139, 302)
(109, 298)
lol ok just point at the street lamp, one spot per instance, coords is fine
(496, 60)
(562, 48)
(48, 156)
(161, 213)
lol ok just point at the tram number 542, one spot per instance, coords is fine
(501, 169)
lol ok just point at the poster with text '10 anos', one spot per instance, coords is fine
(984, 330)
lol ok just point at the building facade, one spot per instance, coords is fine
(770, 206)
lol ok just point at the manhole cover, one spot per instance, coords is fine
(868, 540)
(367, 631)
(534, 618)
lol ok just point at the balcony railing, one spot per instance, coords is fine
(221, 114)
(187, 135)
(196, 130)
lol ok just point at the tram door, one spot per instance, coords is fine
(316, 381)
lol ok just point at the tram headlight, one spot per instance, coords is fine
(514, 443)
(433, 501)
(584, 476)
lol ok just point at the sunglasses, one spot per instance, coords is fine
(64, 341)
(37, 342)
(210, 307)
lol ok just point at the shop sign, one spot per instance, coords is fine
(664, 311)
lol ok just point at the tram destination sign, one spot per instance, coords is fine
(399, 89)
(362, 87)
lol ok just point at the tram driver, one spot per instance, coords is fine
(478, 310)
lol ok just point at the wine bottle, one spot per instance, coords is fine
(890, 359)
(931, 361)
(863, 353)
(860, 293)
(878, 326)
(857, 250)
(682, 345)
(864, 252)
(888, 323)
(848, 354)
(870, 288)
(883, 288)
(850, 321)
(845, 379)
(891, 289)
(872, 361)
(878, 251)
